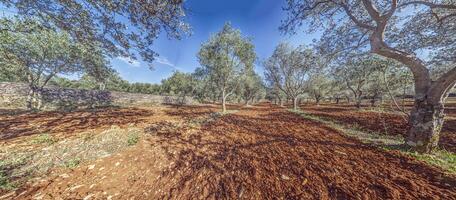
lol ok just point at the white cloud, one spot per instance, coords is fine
(130, 61)
(164, 61)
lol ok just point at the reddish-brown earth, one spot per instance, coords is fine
(260, 152)
(381, 122)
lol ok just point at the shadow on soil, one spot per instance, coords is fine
(276, 154)
(18, 124)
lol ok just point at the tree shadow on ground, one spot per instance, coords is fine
(280, 155)
(29, 123)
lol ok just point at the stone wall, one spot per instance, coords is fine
(13, 96)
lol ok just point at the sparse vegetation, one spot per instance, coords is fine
(45, 138)
(133, 138)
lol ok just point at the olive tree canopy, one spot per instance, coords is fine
(419, 34)
(225, 58)
(121, 28)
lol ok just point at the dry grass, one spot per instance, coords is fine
(16, 167)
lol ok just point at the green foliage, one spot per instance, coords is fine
(225, 59)
(38, 53)
(72, 163)
(121, 28)
(133, 138)
(252, 87)
(179, 84)
(5, 183)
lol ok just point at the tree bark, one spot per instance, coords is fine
(295, 103)
(29, 100)
(426, 122)
(223, 101)
(358, 102)
(373, 101)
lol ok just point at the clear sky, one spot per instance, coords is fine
(258, 19)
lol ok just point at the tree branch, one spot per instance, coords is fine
(354, 19)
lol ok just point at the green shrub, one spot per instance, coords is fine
(133, 138)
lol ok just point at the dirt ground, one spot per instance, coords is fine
(260, 152)
(382, 122)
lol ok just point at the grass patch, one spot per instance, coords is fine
(44, 139)
(72, 163)
(5, 183)
(441, 158)
(133, 138)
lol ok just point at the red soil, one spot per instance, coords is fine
(260, 152)
(384, 123)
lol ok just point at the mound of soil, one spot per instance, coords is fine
(260, 152)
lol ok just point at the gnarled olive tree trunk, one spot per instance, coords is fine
(426, 118)
(426, 121)
(34, 99)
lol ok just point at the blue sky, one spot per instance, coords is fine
(258, 19)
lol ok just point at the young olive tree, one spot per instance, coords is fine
(288, 69)
(40, 54)
(319, 86)
(397, 30)
(355, 75)
(179, 84)
(252, 87)
(226, 58)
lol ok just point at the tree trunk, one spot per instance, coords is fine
(295, 103)
(29, 100)
(317, 100)
(373, 100)
(426, 120)
(223, 101)
(34, 99)
(337, 100)
(358, 102)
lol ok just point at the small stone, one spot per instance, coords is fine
(91, 166)
(88, 197)
(76, 187)
(284, 177)
(64, 175)
(304, 182)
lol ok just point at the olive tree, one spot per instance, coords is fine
(120, 28)
(40, 54)
(179, 84)
(288, 69)
(252, 87)
(225, 58)
(398, 30)
(355, 75)
(319, 86)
